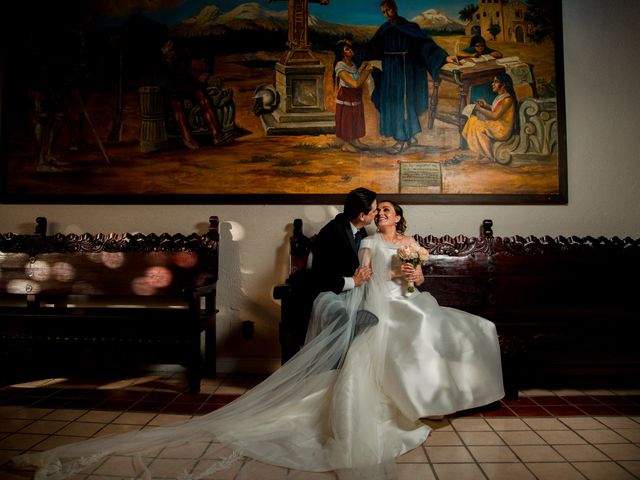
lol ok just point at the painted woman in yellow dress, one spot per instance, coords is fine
(492, 122)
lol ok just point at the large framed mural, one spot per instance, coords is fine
(283, 101)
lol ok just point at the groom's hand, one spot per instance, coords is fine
(362, 275)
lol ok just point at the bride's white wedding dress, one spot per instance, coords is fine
(346, 404)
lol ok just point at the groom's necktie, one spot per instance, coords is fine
(358, 239)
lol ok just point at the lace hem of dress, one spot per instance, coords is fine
(222, 463)
(56, 470)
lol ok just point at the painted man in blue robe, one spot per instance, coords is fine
(401, 89)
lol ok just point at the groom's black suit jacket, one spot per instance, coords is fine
(334, 255)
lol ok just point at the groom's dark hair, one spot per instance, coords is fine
(358, 201)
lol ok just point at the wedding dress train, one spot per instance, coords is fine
(343, 403)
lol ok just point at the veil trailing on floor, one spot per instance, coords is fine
(325, 409)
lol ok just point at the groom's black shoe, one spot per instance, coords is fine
(364, 320)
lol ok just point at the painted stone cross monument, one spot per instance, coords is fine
(299, 81)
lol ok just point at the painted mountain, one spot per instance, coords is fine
(435, 21)
(212, 21)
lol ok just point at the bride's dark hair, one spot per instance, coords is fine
(401, 226)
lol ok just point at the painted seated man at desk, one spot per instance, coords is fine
(476, 49)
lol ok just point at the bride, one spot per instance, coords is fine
(346, 403)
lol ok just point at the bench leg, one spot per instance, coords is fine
(194, 378)
(210, 351)
(510, 376)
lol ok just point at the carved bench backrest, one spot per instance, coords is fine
(485, 274)
(134, 265)
(511, 273)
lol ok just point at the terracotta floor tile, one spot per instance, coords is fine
(184, 408)
(50, 403)
(470, 424)
(480, 438)
(598, 410)
(44, 426)
(492, 454)
(134, 418)
(538, 424)
(443, 438)
(561, 437)
(503, 411)
(10, 425)
(170, 467)
(255, 470)
(83, 403)
(21, 441)
(113, 428)
(55, 441)
(228, 474)
(613, 399)
(161, 396)
(462, 471)
(627, 409)
(601, 436)
(555, 471)
(632, 467)
(581, 400)
(631, 434)
(448, 454)
(580, 453)
(536, 453)
(143, 406)
(190, 450)
(617, 422)
(519, 402)
(506, 471)
(565, 410)
(31, 413)
(505, 424)
(582, 423)
(620, 451)
(81, 429)
(521, 438)
(165, 418)
(603, 471)
(549, 400)
(207, 408)
(406, 471)
(417, 455)
(100, 416)
(530, 411)
(116, 404)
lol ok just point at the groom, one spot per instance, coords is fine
(335, 265)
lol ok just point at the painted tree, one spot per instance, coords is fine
(494, 29)
(466, 14)
(542, 15)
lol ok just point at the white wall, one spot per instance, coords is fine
(603, 144)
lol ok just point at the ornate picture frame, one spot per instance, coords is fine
(236, 102)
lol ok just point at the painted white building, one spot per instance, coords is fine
(508, 15)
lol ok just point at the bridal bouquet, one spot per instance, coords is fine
(415, 255)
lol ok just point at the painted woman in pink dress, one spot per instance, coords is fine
(350, 125)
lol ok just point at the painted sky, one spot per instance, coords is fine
(353, 12)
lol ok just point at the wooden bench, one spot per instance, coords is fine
(565, 307)
(108, 299)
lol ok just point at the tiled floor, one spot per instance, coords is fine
(561, 434)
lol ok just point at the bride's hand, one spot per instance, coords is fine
(362, 275)
(412, 274)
